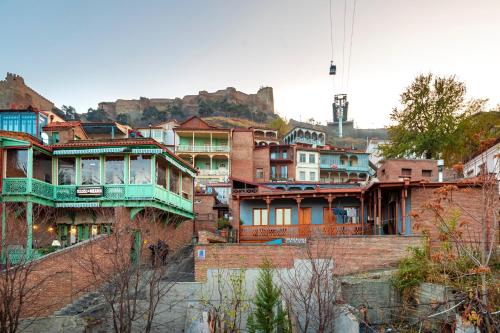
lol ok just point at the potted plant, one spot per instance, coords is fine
(223, 226)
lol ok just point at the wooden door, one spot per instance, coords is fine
(305, 214)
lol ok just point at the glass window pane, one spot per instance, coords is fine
(114, 167)
(256, 217)
(17, 163)
(288, 216)
(42, 166)
(264, 217)
(91, 171)
(279, 216)
(66, 170)
(161, 172)
(174, 180)
(140, 169)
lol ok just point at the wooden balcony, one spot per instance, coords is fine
(270, 232)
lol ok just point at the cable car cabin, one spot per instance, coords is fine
(333, 69)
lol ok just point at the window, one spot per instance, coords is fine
(91, 171)
(302, 175)
(175, 179)
(42, 166)
(284, 171)
(140, 169)
(273, 171)
(260, 216)
(352, 214)
(283, 216)
(312, 175)
(114, 167)
(17, 163)
(66, 170)
(312, 158)
(259, 173)
(406, 172)
(274, 155)
(302, 158)
(284, 154)
(426, 173)
(55, 137)
(161, 172)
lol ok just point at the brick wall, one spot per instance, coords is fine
(206, 215)
(467, 202)
(392, 169)
(354, 254)
(261, 160)
(242, 155)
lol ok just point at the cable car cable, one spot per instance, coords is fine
(350, 46)
(343, 44)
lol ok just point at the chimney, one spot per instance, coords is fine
(440, 164)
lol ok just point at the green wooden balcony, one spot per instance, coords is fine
(132, 195)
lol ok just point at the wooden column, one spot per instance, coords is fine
(298, 199)
(362, 215)
(268, 205)
(236, 217)
(330, 199)
(379, 210)
(403, 210)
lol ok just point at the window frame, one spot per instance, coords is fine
(312, 159)
(304, 155)
(260, 213)
(283, 215)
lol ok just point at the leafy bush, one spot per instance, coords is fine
(412, 270)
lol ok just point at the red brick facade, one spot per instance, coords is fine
(242, 161)
(352, 254)
(394, 169)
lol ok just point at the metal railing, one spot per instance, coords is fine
(218, 172)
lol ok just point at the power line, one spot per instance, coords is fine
(343, 43)
(331, 30)
(350, 46)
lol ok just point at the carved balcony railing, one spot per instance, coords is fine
(202, 148)
(270, 232)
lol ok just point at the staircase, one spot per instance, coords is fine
(181, 266)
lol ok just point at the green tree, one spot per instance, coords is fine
(70, 112)
(280, 125)
(431, 112)
(205, 109)
(267, 316)
(123, 118)
(97, 115)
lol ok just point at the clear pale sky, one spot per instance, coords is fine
(82, 52)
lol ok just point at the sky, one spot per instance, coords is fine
(82, 52)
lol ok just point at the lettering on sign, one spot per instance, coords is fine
(89, 191)
(295, 240)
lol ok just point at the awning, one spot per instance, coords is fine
(179, 165)
(89, 151)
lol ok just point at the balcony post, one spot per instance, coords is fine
(211, 157)
(29, 231)
(29, 171)
(330, 213)
(403, 210)
(211, 143)
(379, 210)
(268, 206)
(192, 146)
(4, 229)
(362, 213)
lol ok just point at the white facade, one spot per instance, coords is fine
(373, 148)
(486, 162)
(163, 133)
(307, 167)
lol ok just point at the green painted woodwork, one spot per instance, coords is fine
(114, 195)
(135, 251)
(9, 142)
(4, 227)
(29, 232)
(134, 211)
(83, 232)
(90, 152)
(146, 151)
(62, 234)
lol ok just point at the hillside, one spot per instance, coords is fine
(229, 103)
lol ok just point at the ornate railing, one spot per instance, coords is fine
(219, 172)
(244, 190)
(202, 149)
(270, 232)
(111, 192)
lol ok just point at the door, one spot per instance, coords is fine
(305, 214)
(135, 250)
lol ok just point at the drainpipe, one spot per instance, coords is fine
(440, 164)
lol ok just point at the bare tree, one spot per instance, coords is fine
(132, 279)
(20, 283)
(311, 289)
